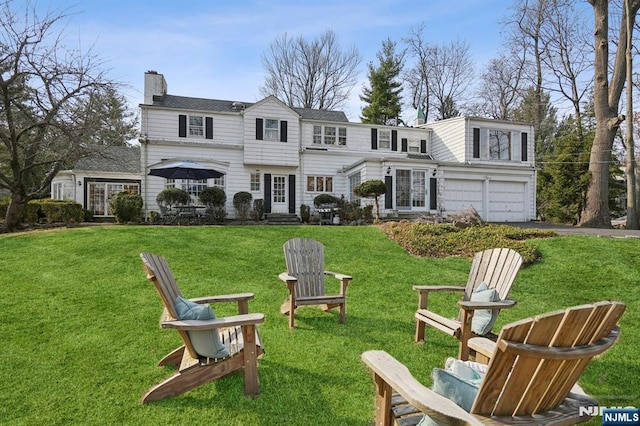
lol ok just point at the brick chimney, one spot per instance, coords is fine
(154, 85)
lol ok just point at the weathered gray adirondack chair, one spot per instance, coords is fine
(305, 279)
(497, 268)
(531, 377)
(238, 334)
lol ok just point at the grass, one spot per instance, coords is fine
(80, 336)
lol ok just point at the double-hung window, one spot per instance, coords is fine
(317, 135)
(329, 135)
(384, 139)
(196, 126)
(271, 129)
(342, 136)
(255, 181)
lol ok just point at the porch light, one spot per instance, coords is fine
(388, 170)
(79, 183)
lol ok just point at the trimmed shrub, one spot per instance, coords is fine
(214, 198)
(126, 207)
(56, 211)
(172, 196)
(325, 199)
(242, 204)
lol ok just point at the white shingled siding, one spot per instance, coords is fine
(267, 152)
(162, 125)
(448, 142)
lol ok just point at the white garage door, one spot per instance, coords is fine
(507, 201)
(460, 194)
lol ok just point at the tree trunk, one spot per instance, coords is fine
(15, 211)
(606, 99)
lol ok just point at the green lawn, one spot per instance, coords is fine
(80, 336)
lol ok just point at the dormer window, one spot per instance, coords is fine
(329, 135)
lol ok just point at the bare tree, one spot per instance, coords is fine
(441, 75)
(47, 98)
(417, 77)
(609, 83)
(311, 74)
(500, 90)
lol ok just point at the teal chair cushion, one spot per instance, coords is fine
(483, 319)
(207, 343)
(458, 382)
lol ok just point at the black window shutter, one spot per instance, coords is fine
(259, 129)
(423, 146)
(283, 131)
(525, 143)
(182, 126)
(208, 128)
(405, 145)
(476, 142)
(394, 140)
(433, 193)
(292, 193)
(267, 192)
(388, 196)
(374, 138)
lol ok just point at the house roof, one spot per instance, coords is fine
(218, 105)
(112, 159)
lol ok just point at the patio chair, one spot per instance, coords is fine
(212, 347)
(492, 274)
(305, 279)
(531, 377)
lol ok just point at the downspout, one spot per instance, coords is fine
(143, 151)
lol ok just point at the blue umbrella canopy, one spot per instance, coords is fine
(185, 170)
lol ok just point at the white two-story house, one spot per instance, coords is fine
(287, 156)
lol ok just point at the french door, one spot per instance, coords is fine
(411, 189)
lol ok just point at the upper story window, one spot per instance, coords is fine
(505, 145)
(330, 135)
(196, 126)
(384, 139)
(271, 130)
(499, 145)
(413, 145)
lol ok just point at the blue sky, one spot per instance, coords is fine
(213, 49)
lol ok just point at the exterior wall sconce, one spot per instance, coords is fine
(79, 183)
(388, 170)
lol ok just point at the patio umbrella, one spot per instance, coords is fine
(185, 170)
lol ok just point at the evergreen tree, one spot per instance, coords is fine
(383, 94)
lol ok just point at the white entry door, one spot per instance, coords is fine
(279, 203)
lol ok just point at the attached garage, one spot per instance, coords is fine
(505, 201)
(461, 194)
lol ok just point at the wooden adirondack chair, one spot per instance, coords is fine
(305, 279)
(238, 333)
(531, 377)
(497, 268)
